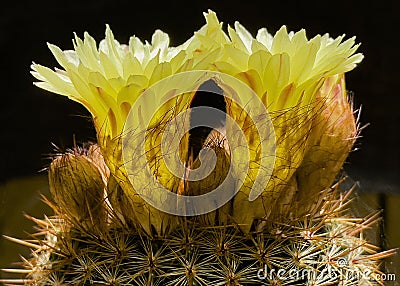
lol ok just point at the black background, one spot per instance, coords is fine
(31, 119)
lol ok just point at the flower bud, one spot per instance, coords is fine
(332, 136)
(78, 190)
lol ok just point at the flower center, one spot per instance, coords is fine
(211, 95)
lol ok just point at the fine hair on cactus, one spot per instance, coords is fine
(217, 162)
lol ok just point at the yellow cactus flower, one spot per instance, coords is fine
(299, 82)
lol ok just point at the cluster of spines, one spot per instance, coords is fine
(327, 248)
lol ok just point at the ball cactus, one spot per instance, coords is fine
(286, 221)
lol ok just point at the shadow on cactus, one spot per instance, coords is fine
(144, 205)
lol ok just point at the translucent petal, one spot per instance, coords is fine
(160, 43)
(281, 41)
(56, 81)
(265, 38)
(244, 35)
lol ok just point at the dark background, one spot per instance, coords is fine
(31, 119)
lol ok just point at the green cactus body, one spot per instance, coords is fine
(325, 247)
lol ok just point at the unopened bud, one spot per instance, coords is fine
(331, 139)
(78, 189)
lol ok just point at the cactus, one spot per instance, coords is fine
(113, 226)
(324, 246)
